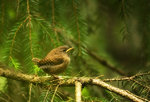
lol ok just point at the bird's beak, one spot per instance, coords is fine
(69, 49)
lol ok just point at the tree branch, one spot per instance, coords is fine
(127, 78)
(105, 63)
(78, 87)
(69, 81)
(132, 78)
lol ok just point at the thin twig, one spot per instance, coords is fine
(77, 25)
(105, 63)
(132, 78)
(18, 2)
(46, 94)
(13, 40)
(2, 12)
(55, 93)
(53, 19)
(30, 88)
(29, 15)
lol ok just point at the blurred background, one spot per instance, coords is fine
(111, 39)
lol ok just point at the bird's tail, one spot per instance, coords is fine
(35, 60)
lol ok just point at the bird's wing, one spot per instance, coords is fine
(56, 60)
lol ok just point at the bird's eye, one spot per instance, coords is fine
(64, 50)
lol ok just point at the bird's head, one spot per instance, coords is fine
(63, 49)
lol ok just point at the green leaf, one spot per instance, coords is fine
(36, 69)
(15, 63)
(85, 92)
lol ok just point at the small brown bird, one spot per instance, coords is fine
(56, 60)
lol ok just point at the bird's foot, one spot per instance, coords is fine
(55, 76)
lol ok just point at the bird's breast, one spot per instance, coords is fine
(66, 59)
(55, 69)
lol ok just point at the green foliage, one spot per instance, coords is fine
(3, 83)
(85, 92)
(47, 96)
(15, 64)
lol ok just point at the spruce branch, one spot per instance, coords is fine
(127, 78)
(77, 25)
(53, 19)
(18, 28)
(105, 63)
(69, 81)
(132, 78)
(29, 24)
(30, 88)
